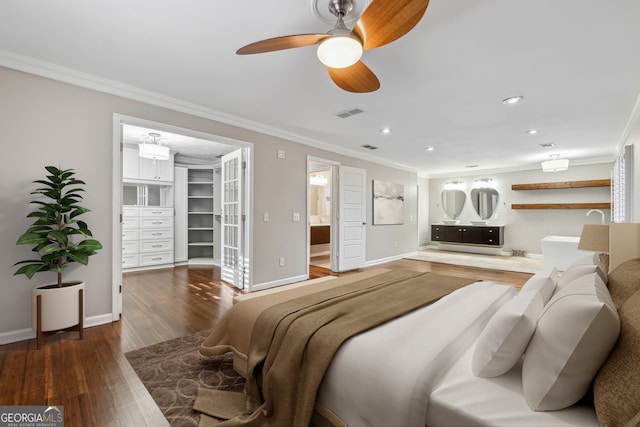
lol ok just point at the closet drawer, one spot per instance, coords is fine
(156, 222)
(129, 222)
(157, 258)
(146, 234)
(157, 212)
(129, 248)
(130, 211)
(131, 234)
(129, 261)
(156, 245)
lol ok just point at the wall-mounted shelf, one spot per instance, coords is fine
(606, 205)
(566, 184)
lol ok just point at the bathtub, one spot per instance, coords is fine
(561, 251)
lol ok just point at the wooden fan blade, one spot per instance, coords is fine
(387, 20)
(281, 43)
(357, 78)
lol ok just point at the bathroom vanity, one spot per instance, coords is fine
(489, 235)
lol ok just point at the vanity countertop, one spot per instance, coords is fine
(319, 225)
(468, 224)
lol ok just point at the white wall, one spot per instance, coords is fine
(48, 122)
(525, 228)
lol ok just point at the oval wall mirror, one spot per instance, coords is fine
(453, 202)
(485, 201)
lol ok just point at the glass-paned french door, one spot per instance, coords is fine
(232, 264)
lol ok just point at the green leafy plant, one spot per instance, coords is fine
(56, 235)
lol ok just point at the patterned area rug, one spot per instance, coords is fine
(172, 371)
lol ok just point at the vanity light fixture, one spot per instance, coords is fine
(482, 183)
(512, 100)
(555, 164)
(454, 185)
(151, 148)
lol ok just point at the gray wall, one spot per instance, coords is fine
(525, 228)
(48, 122)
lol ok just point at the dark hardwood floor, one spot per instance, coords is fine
(92, 378)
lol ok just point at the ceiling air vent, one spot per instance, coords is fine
(349, 113)
(369, 147)
(548, 145)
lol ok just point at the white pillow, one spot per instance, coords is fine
(502, 342)
(592, 258)
(576, 331)
(544, 281)
(576, 271)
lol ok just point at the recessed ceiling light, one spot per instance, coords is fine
(512, 100)
(429, 149)
(531, 131)
(385, 130)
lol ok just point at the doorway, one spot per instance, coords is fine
(189, 207)
(320, 209)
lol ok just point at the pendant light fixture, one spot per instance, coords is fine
(151, 148)
(555, 164)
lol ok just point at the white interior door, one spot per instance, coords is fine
(232, 220)
(352, 218)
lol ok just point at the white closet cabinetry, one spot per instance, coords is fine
(200, 214)
(147, 236)
(180, 252)
(129, 237)
(136, 168)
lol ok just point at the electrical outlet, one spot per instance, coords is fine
(281, 261)
(281, 154)
(296, 217)
(265, 217)
(395, 244)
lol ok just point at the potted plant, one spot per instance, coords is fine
(59, 239)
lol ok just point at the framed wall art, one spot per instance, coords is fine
(388, 203)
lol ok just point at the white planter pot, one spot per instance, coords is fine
(60, 307)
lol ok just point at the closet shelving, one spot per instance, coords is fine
(200, 214)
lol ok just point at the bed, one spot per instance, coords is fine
(484, 354)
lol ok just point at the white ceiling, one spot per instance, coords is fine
(576, 62)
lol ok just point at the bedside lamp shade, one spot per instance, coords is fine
(595, 238)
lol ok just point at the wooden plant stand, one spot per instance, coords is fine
(41, 335)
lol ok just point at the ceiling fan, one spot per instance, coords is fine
(340, 49)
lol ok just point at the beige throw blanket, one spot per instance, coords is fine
(293, 343)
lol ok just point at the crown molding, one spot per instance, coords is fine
(89, 81)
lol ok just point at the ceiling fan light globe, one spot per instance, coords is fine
(339, 51)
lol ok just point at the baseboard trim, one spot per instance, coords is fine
(28, 333)
(389, 259)
(267, 285)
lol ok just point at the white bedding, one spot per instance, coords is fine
(384, 376)
(464, 400)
